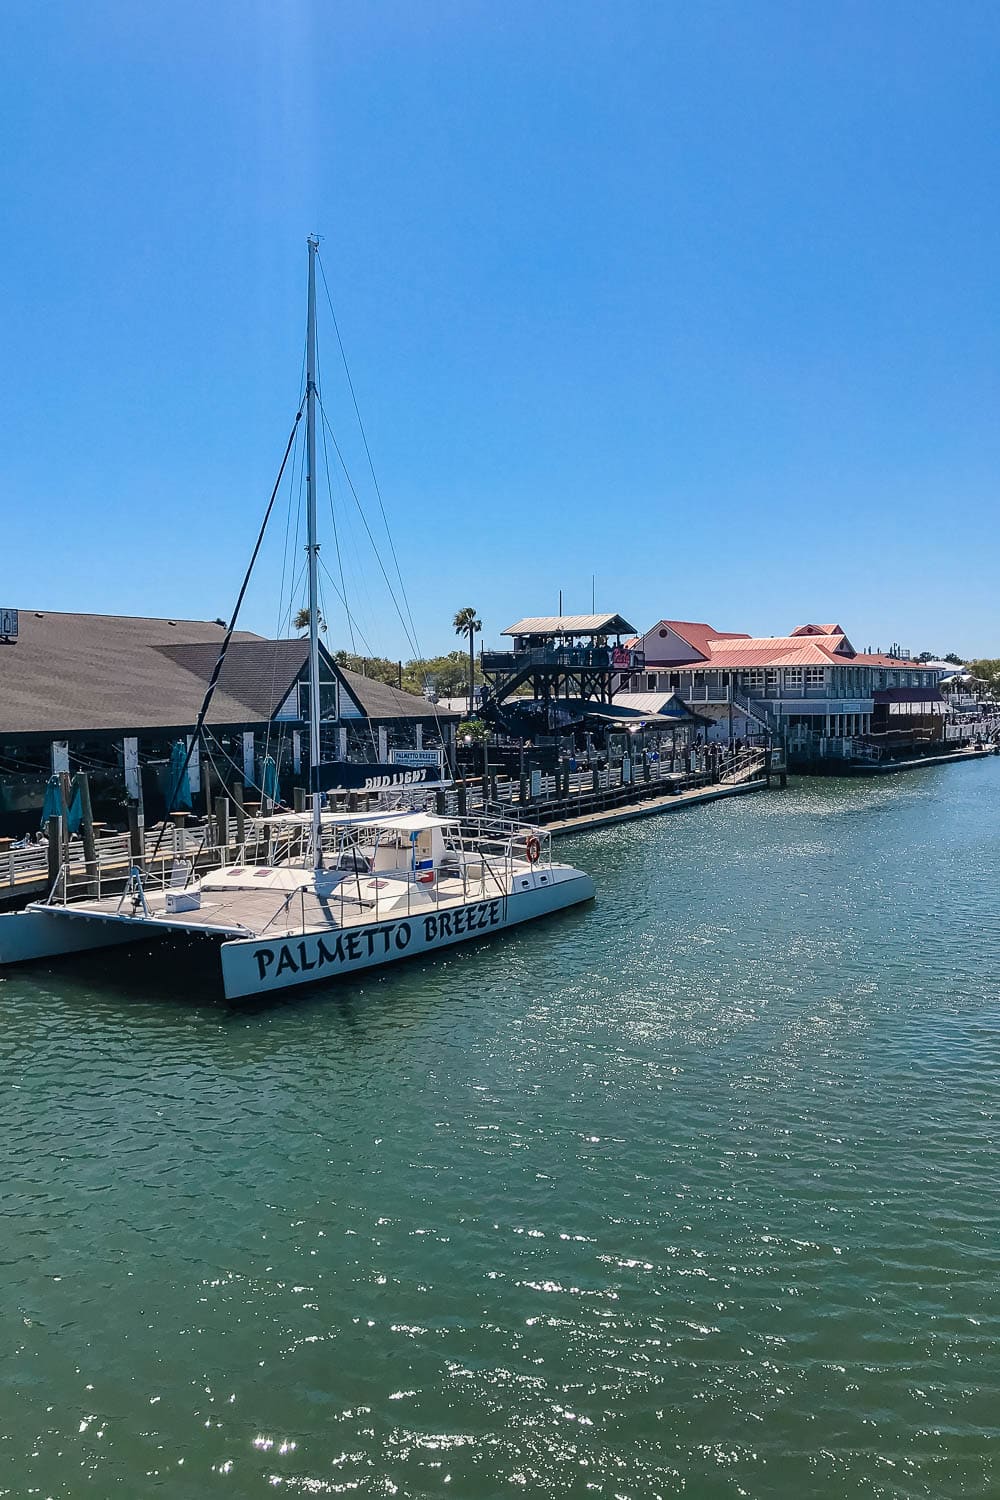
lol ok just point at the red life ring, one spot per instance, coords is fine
(532, 849)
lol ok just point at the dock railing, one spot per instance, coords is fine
(563, 794)
(27, 870)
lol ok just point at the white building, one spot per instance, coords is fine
(812, 686)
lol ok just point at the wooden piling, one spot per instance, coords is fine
(134, 832)
(67, 794)
(222, 822)
(82, 782)
(55, 851)
(241, 825)
(206, 783)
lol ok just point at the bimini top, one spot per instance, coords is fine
(409, 822)
(407, 819)
(571, 625)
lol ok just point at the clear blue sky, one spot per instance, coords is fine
(701, 298)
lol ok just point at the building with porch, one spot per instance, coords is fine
(812, 687)
(557, 667)
(111, 694)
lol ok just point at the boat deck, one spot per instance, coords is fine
(246, 912)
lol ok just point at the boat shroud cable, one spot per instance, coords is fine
(217, 669)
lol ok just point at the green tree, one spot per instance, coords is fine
(989, 670)
(467, 622)
(379, 668)
(956, 661)
(445, 676)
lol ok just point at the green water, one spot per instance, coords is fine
(694, 1191)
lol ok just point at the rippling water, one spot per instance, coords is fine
(694, 1191)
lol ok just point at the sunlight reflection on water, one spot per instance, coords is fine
(693, 1189)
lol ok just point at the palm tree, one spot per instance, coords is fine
(302, 618)
(466, 622)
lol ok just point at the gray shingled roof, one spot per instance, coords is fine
(379, 700)
(70, 674)
(257, 674)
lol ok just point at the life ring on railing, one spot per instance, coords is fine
(532, 849)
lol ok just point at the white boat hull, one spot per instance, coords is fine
(255, 966)
(26, 936)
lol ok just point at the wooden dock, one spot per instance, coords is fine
(25, 877)
(603, 818)
(563, 805)
(887, 767)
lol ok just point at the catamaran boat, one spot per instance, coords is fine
(391, 885)
(339, 891)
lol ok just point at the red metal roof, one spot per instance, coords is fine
(808, 645)
(879, 659)
(728, 652)
(778, 652)
(698, 634)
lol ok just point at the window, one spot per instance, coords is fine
(815, 676)
(771, 677)
(650, 682)
(753, 680)
(327, 700)
(793, 677)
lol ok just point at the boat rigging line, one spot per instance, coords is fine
(216, 670)
(371, 465)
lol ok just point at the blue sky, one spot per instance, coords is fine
(701, 299)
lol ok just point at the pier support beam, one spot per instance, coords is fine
(130, 758)
(194, 763)
(81, 782)
(222, 822)
(135, 831)
(248, 758)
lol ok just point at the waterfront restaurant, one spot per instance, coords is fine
(812, 687)
(111, 695)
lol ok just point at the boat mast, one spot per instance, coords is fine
(312, 548)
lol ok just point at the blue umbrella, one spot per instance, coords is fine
(178, 785)
(269, 779)
(52, 806)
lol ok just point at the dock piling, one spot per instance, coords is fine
(54, 827)
(241, 827)
(82, 782)
(134, 832)
(222, 822)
